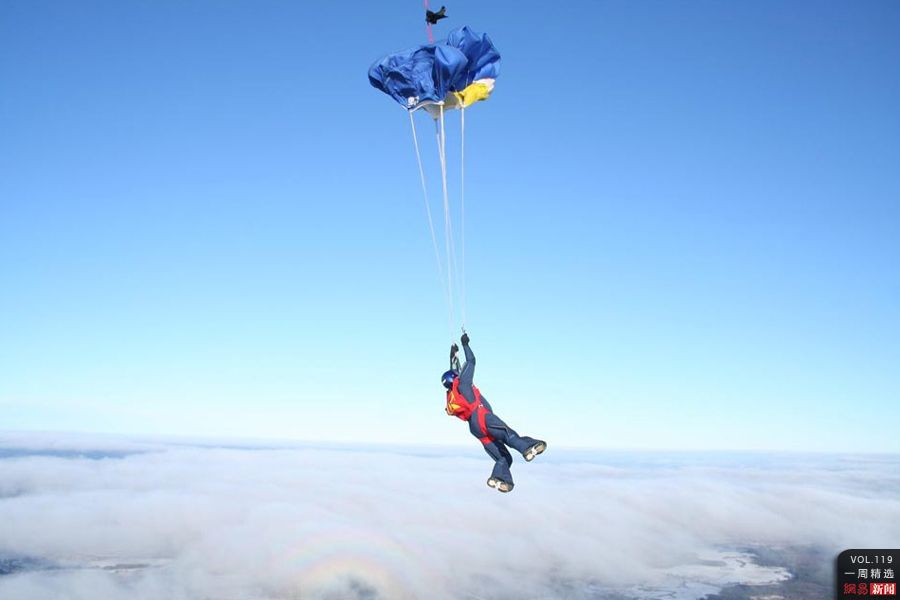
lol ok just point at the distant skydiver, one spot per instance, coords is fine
(433, 17)
(465, 401)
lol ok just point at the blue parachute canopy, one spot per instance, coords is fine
(422, 74)
(427, 73)
(483, 57)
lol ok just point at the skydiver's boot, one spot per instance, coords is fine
(500, 485)
(534, 450)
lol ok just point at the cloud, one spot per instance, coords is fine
(156, 519)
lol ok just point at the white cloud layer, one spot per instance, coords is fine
(192, 522)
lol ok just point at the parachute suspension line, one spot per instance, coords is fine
(448, 226)
(437, 252)
(462, 210)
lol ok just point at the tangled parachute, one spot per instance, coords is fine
(454, 73)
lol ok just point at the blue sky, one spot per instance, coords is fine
(683, 224)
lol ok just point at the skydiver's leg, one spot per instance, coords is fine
(502, 432)
(502, 461)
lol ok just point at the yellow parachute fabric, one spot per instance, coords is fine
(477, 91)
(474, 92)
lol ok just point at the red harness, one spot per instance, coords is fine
(458, 406)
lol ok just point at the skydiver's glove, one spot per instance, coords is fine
(454, 350)
(464, 339)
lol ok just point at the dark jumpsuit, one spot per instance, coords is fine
(502, 434)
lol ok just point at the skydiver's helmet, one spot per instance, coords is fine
(448, 377)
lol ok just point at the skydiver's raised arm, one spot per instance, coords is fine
(470, 357)
(468, 370)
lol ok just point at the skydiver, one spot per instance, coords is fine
(433, 17)
(465, 401)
